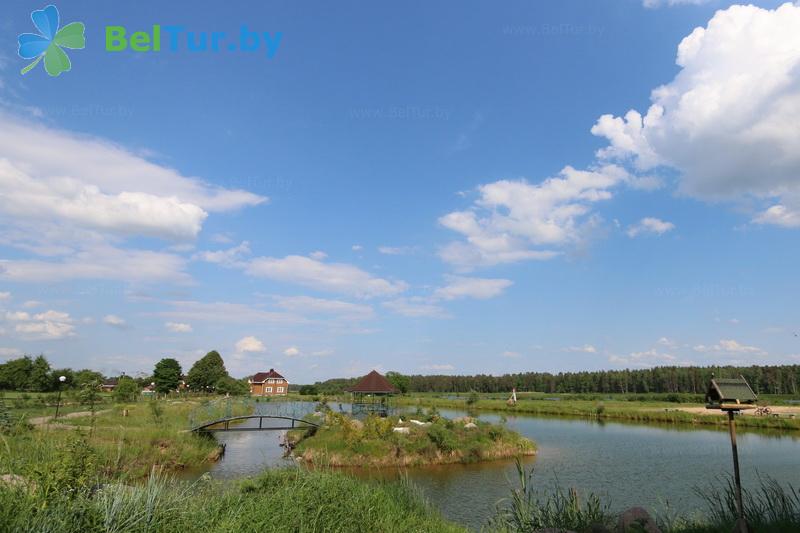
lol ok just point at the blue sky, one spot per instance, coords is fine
(458, 187)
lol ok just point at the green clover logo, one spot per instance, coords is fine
(49, 42)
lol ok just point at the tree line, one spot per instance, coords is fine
(778, 379)
(207, 375)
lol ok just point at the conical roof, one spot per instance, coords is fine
(373, 383)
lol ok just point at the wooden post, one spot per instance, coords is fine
(741, 524)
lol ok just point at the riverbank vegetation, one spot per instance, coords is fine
(424, 439)
(662, 412)
(769, 508)
(120, 442)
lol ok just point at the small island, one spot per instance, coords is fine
(416, 440)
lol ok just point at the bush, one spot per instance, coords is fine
(443, 438)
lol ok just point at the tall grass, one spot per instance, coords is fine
(279, 500)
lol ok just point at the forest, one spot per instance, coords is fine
(666, 379)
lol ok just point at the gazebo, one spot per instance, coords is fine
(371, 395)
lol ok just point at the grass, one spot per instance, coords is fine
(343, 441)
(616, 408)
(278, 500)
(123, 447)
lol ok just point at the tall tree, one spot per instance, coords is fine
(399, 381)
(126, 390)
(40, 379)
(167, 375)
(206, 372)
(15, 373)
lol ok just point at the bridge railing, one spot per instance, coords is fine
(219, 409)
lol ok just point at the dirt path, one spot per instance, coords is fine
(43, 420)
(776, 409)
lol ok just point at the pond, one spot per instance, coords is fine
(656, 467)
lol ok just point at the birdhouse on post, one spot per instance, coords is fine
(732, 396)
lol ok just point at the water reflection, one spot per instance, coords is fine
(628, 464)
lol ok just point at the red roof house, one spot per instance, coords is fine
(268, 384)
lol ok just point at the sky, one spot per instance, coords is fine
(439, 188)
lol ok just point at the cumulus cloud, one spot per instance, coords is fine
(332, 277)
(649, 226)
(114, 321)
(513, 221)
(438, 367)
(648, 358)
(5, 296)
(250, 344)
(730, 347)
(728, 120)
(586, 348)
(49, 325)
(178, 327)
(228, 312)
(291, 351)
(468, 287)
(396, 250)
(229, 256)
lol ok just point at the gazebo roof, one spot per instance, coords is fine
(373, 383)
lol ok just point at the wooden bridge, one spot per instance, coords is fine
(224, 424)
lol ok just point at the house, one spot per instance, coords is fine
(268, 384)
(109, 385)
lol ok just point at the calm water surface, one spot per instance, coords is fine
(656, 467)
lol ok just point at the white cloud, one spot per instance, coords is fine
(511, 355)
(438, 367)
(236, 313)
(178, 327)
(318, 255)
(307, 305)
(291, 351)
(99, 262)
(651, 226)
(5, 296)
(250, 344)
(644, 359)
(10, 352)
(416, 307)
(114, 320)
(728, 120)
(467, 287)
(29, 304)
(230, 256)
(395, 250)
(333, 277)
(730, 347)
(49, 325)
(356, 247)
(586, 348)
(515, 220)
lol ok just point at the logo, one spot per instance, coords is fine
(50, 42)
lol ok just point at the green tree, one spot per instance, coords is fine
(234, 387)
(399, 381)
(82, 377)
(206, 372)
(15, 373)
(167, 375)
(40, 379)
(126, 390)
(308, 390)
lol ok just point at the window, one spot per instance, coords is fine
(280, 389)
(271, 381)
(269, 389)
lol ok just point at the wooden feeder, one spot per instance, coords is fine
(732, 396)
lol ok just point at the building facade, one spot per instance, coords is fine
(268, 384)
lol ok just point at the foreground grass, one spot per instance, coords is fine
(648, 411)
(343, 441)
(279, 500)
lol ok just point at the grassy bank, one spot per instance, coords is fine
(636, 411)
(279, 500)
(343, 441)
(116, 445)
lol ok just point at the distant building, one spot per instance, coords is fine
(268, 384)
(109, 385)
(371, 395)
